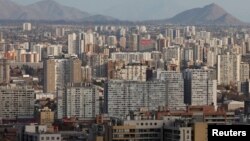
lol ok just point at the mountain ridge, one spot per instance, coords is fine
(209, 14)
(45, 10)
(50, 10)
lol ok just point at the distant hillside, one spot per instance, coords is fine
(210, 14)
(48, 10)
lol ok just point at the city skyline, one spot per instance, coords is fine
(135, 11)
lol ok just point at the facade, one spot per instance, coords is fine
(27, 26)
(136, 72)
(175, 89)
(4, 71)
(244, 72)
(72, 43)
(38, 133)
(81, 100)
(124, 96)
(228, 68)
(177, 133)
(172, 52)
(46, 116)
(59, 72)
(137, 130)
(132, 57)
(16, 101)
(200, 87)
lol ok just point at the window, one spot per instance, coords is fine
(52, 138)
(58, 138)
(47, 138)
(141, 124)
(42, 138)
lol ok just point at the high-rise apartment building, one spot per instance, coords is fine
(175, 89)
(80, 46)
(133, 42)
(78, 100)
(16, 101)
(72, 43)
(59, 72)
(4, 71)
(228, 68)
(60, 31)
(244, 71)
(200, 87)
(124, 96)
(27, 26)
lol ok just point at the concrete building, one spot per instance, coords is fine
(175, 89)
(187, 57)
(72, 44)
(137, 130)
(59, 72)
(4, 71)
(46, 116)
(228, 68)
(38, 133)
(86, 74)
(16, 101)
(52, 50)
(135, 71)
(27, 26)
(177, 133)
(124, 96)
(133, 42)
(200, 87)
(244, 72)
(200, 131)
(132, 57)
(80, 100)
(60, 31)
(172, 52)
(80, 45)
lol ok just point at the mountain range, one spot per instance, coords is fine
(50, 10)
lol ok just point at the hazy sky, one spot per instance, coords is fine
(151, 9)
